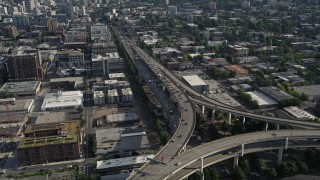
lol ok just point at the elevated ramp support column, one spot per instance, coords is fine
(242, 149)
(203, 109)
(229, 118)
(163, 88)
(213, 114)
(243, 120)
(200, 172)
(235, 161)
(266, 127)
(286, 143)
(280, 156)
(277, 126)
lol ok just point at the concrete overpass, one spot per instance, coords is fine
(180, 138)
(234, 146)
(267, 119)
(204, 101)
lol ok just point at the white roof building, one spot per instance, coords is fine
(120, 162)
(62, 100)
(262, 99)
(299, 113)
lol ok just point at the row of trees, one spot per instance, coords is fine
(248, 99)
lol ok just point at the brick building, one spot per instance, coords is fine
(50, 142)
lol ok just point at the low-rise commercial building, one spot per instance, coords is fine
(49, 117)
(20, 105)
(126, 95)
(275, 93)
(62, 100)
(240, 71)
(298, 113)
(51, 142)
(312, 91)
(69, 83)
(70, 59)
(117, 76)
(113, 96)
(263, 100)
(115, 141)
(196, 83)
(22, 89)
(106, 64)
(98, 98)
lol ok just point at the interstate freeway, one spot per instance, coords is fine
(154, 171)
(214, 151)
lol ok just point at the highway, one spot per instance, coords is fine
(198, 98)
(186, 111)
(258, 140)
(158, 171)
(280, 121)
(221, 156)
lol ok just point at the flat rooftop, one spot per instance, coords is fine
(67, 133)
(62, 99)
(313, 91)
(16, 87)
(121, 139)
(262, 99)
(299, 113)
(194, 80)
(116, 176)
(69, 79)
(122, 117)
(275, 93)
(116, 75)
(213, 85)
(50, 117)
(20, 105)
(119, 162)
(225, 98)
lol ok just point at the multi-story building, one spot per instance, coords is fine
(172, 10)
(100, 33)
(22, 89)
(9, 31)
(50, 142)
(103, 65)
(75, 39)
(21, 21)
(25, 64)
(113, 96)
(103, 48)
(30, 5)
(237, 50)
(69, 59)
(52, 24)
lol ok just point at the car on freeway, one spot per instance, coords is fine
(178, 164)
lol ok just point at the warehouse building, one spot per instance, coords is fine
(62, 100)
(67, 83)
(312, 91)
(275, 93)
(298, 113)
(263, 100)
(22, 89)
(196, 83)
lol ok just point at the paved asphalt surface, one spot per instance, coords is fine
(187, 120)
(259, 140)
(251, 148)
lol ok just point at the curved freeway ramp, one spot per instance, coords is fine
(259, 141)
(280, 121)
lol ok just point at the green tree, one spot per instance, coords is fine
(238, 174)
(303, 167)
(271, 173)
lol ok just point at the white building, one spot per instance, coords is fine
(126, 95)
(62, 100)
(263, 100)
(196, 83)
(113, 96)
(98, 98)
(298, 113)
